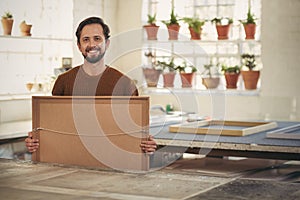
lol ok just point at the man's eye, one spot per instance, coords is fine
(98, 39)
(85, 39)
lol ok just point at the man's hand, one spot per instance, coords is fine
(148, 145)
(31, 144)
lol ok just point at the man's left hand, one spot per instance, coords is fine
(149, 145)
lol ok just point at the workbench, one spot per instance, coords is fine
(256, 145)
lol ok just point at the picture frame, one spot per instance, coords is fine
(67, 63)
(290, 132)
(101, 131)
(224, 128)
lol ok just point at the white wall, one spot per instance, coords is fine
(280, 38)
(29, 59)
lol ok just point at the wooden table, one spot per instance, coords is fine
(255, 145)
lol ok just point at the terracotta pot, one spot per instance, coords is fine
(250, 79)
(223, 31)
(211, 83)
(250, 30)
(231, 80)
(168, 79)
(173, 31)
(151, 31)
(194, 34)
(151, 76)
(187, 79)
(25, 29)
(7, 25)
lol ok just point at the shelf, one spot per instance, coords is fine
(189, 91)
(214, 5)
(15, 129)
(231, 55)
(237, 41)
(34, 38)
(21, 96)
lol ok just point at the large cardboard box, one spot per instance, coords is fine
(101, 132)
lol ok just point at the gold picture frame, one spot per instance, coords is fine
(219, 127)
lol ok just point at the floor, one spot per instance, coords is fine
(190, 177)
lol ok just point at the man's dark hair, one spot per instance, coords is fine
(92, 20)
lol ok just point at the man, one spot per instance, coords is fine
(93, 77)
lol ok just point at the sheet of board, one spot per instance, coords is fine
(91, 131)
(291, 132)
(217, 127)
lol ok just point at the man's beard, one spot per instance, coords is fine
(96, 58)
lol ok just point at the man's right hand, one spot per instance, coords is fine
(31, 144)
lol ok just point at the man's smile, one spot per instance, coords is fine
(93, 52)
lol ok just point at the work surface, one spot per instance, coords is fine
(184, 179)
(256, 145)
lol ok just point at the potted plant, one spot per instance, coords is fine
(223, 26)
(250, 76)
(7, 23)
(25, 28)
(249, 25)
(231, 74)
(152, 72)
(173, 26)
(211, 76)
(151, 28)
(195, 27)
(169, 72)
(187, 73)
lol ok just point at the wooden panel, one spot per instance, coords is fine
(291, 132)
(92, 131)
(229, 128)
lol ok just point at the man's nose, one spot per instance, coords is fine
(92, 43)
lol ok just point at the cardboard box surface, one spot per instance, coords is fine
(91, 131)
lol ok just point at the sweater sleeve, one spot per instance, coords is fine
(58, 89)
(132, 89)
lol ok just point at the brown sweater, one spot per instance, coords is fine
(111, 82)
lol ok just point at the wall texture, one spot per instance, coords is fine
(280, 37)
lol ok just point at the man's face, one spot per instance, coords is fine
(92, 43)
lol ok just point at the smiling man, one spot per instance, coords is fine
(93, 77)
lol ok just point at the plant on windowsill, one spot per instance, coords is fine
(211, 76)
(7, 23)
(173, 26)
(195, 27)
(222, 26)
(249, 25)
(231, 74)
(187, 73)
(250, 76)
(152, 72)
(151, 28)
(169, 72)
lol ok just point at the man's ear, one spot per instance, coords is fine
(107, 43)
